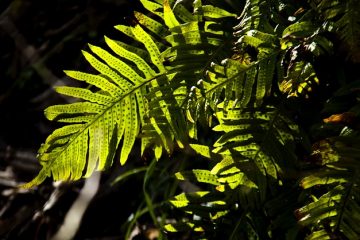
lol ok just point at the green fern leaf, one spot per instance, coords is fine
(202, 150)
(183, 227)
(215, 12)
(169, 17)
(84, 94)
(154, 26)
(300, 80)
(344, 18)
(319, 235)
(132, 56)
(255, 138)
(106, 116)
(153, 7)
(337, 210)
(153, 50)
(198, 175)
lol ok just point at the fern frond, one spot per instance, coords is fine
(333, 184)
(113, 112)
(188, 63)
(299, 80)
(131, 93)
(245, 77)
(260, 137)
(251, 16)
(188, 41)
(194, 45)
(256, 147)
(337, 209)
(344, 16)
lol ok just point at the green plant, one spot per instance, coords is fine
(245, 73)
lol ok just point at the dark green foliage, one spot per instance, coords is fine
(343, 18)
(241, 75)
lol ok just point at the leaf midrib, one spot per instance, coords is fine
(87, 125)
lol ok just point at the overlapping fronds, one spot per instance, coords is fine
(194, 46)
(333, 184)
(249, 158)
(251, 19)
(335, 208)
(344, 17)
(194, 41)
(258, 141)
(264, 137)
(140, 88)
(299, 80)
(262, 56)
(193, 63)
(300, 39)
(248, 74)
